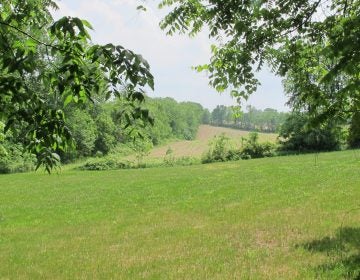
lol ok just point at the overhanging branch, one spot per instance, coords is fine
(28, 35)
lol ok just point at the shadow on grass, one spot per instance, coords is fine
(344, 251)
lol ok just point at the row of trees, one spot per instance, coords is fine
(98, 128)
(268, 120)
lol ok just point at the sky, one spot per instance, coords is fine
(171, 57)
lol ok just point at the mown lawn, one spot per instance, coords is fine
(276, 218)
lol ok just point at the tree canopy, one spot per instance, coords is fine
(45, 65)
(314, 44)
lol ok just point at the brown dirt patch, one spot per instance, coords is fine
(200, 145)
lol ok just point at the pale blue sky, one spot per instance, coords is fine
(171, 58)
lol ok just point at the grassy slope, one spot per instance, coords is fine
(275, 218)
(200, 145)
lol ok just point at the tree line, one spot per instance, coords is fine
(267, 120)
(99, 128)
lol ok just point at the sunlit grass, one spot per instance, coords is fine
(274, 218)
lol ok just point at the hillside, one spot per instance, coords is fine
(273, 218)
(205, 133)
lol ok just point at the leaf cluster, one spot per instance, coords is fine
(47, 65)
(312, 43)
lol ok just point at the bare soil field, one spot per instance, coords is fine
(200, 145)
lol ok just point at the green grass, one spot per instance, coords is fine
(274, 218)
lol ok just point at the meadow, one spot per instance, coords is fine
(274, 218)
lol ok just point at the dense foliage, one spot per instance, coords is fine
(12, 156)
(221, 149)
(354, 131)
(46, 66)
(173, 119)
(314, 44)
(99, 128)
(297, 134)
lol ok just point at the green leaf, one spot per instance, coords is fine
(68, 99)
(141, 8)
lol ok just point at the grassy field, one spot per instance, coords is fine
(273, 218)
(199, 146)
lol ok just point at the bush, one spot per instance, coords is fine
(253, 149)
(233, 155)
(169, 159)
(141, 148)
(299, 134)
(106, 164)
(186, 161)
(219, 149)
(99, 154)
(14, 160)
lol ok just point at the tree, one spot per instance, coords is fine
(161, 129)
(323, 101)
(297, 134)
(268, 120)
(206, 117)
(142, 148)
(288, 35)
(192, 113)
(46, 65)
(83, 130)
(354, 131)
(106, 137)
(219, 114)
(2, 139)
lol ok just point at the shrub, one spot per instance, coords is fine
(233, 155)
(219, 148)
(186, 161)
(99, 154)
(299, 134)
(14, 160)
(169, 158)
(253, 149)
(106, 164)
(142, 148)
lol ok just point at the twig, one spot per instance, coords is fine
(28, 35)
